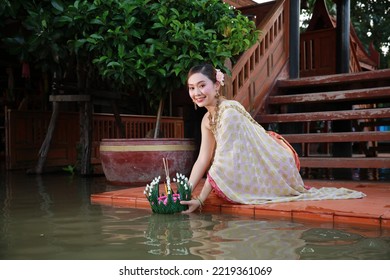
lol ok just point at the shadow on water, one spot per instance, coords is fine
(51, 217)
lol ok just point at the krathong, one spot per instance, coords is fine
(168, 202)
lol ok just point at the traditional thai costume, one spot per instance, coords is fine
(250, 165)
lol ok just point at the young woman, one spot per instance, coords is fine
(244, 163)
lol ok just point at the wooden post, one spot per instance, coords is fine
(294, 39)
(343, 149)
(294, 32)
(342, 36)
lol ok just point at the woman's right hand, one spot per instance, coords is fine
(193, 204)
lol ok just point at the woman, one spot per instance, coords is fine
(245, 163)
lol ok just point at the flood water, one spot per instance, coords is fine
(50, 217)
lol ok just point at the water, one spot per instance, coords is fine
(50, 217)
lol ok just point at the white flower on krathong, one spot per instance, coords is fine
(220, 77)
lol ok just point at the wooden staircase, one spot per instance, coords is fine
(303, 104)
(312, 107)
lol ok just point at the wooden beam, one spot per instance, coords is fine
(69, 98)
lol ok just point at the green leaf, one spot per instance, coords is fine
(162, 71)
(44, 23)
(79, 43)
(96, 21)
(121, 50)
(113, 64)
(97, 36)
(65, 19)
(177, 71)
(57, 4)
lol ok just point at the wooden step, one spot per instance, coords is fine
(381, 93)
(326, 80)
(345, 162)
(338, 137)
(323, 116)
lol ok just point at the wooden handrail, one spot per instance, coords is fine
(254, 74)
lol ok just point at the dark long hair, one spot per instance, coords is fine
(206, 69)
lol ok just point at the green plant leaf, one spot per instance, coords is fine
(113, 64)
(58, 5)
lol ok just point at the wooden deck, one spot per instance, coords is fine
(372, 211)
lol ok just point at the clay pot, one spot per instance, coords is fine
(135, 162)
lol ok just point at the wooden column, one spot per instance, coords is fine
(294, 33)
(343, 149)
(294, 39)
(342, 36)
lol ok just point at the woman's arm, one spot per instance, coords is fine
(206, 153)
(200, 167)
(196, 202)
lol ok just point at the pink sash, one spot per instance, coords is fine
(283, 142)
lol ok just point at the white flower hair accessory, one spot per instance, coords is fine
(220, 77)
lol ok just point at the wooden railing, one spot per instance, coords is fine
(135, 126)
(26, 130)
(254, 74)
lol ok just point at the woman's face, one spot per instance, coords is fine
(202, 90)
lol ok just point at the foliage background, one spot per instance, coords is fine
(144, 46)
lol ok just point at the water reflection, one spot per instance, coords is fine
(337, 244)
(222, 237)
(168, 235)
(51, 217)
(235, 238)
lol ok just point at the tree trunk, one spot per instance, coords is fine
(46, 143)
(85, 149)
(158, 121)
(118, 120)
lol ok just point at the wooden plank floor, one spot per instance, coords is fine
(370, 211)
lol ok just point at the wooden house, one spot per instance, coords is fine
(333, 118)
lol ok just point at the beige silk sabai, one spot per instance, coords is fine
(251, 167)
